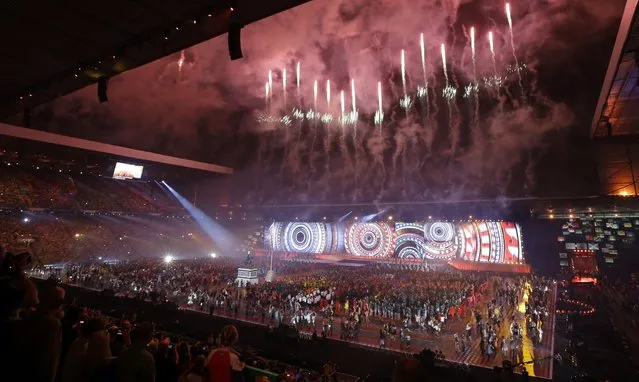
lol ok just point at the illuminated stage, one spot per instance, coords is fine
(466, 245)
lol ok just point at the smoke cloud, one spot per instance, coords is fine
(483, 141)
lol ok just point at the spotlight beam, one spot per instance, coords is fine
(222, 238)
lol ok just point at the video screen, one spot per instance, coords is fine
(480, 241)
(127, 171)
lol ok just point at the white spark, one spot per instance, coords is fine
(421, 91)
(449, 92)
(298, 114)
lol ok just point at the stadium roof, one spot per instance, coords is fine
(618, 105)
(62, 140)
(52, 48)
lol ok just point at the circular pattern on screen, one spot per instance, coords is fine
(441, 240)
(369, 240)
(439, 232)
(304, 237)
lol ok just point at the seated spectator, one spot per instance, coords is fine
(224, 363)
(136, 364)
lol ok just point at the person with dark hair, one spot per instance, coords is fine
(136, 364)
(224, 363)
(96, 364)
(196, 372)
(184, 357)
(166, 362)
(72, 369)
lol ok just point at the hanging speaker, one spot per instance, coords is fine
(235, 41)
(102, 89)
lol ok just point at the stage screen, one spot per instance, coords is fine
(127, 171)
(481, 241)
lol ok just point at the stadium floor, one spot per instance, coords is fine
(535, 358)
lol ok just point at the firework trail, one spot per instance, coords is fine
(512, 46)
(314, 121)
(260, 149)
(448, 92)
(472, 50)
(315, 96)
(270, 83)
(475, 85)
(266, 88)
(284, 87)
(403, 63)
(343, 120)
(354, 121)
(491, 44)
(286, 143)
(342, 107)
(328, 119)
(423, 92)
(353, 99)
(423, 56)
(379, 114)
(298, 76)
(444, 63)
(379, 120)
(181, 61)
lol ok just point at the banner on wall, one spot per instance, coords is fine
(481, 241)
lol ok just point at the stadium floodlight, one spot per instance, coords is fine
(213, 255)
(168, 259)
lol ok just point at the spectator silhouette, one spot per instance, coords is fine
(43, 332)
(136, 364)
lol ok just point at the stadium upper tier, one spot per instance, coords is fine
(41, 187)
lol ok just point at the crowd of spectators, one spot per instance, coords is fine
(26, 188)
(47, 337)
(61, 238)
(42, 187)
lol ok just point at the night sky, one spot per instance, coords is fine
(527, 139)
